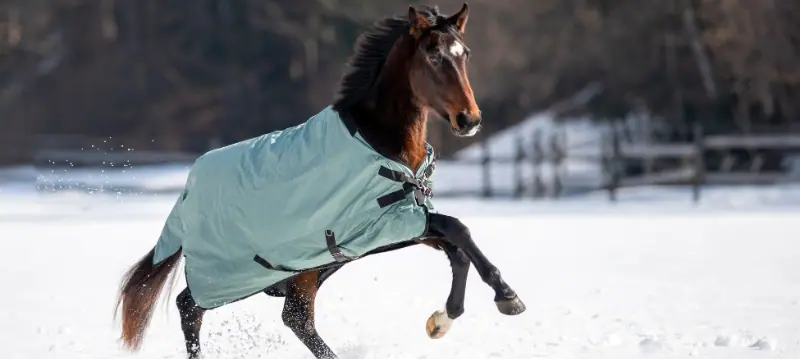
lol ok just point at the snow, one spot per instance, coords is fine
(651, 276)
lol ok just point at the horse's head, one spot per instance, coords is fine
(438, 69)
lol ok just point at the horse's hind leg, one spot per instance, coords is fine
(298, 313)
(458, 234)
(191, 321)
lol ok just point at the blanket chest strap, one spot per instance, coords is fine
(410, 184)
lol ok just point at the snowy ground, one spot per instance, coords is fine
(652, 276)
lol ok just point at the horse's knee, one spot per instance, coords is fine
(459, 259)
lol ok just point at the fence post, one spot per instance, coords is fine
(699, 162)
(519, 186)
(538, 157)
(487, 184)
(614, 161)
(557, 148)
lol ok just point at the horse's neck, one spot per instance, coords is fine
(394, 125)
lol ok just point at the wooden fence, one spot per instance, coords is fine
(692, 168)
(544, 150)
(686, 164)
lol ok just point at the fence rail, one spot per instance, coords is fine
(688, 164)
(694, 168)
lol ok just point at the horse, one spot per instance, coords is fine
(402, 69)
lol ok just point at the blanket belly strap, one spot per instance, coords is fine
(330, 239)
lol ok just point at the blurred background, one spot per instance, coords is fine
(577, 95)
(636, 180)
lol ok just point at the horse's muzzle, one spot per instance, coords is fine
(466, 125)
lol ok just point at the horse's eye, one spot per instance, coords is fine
(435, 58)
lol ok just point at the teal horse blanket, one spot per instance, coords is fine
(259, 211)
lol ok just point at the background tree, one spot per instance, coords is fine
(188, 75)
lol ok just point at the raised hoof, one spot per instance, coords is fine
(510, 306)
(438, 324)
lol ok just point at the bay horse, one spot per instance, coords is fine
(402, 68)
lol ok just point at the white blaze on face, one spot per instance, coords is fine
(456, 48)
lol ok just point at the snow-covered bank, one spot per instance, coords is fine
(652, 276)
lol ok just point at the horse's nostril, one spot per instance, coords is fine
(462, 120)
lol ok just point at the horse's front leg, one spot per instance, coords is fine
(455, 232)
(298, 313)
(440, 322)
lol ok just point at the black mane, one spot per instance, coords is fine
(371, 50)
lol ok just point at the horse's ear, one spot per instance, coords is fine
(460, 19)
(417, 21)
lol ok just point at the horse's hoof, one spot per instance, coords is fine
(438, 324)
(510, 306)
